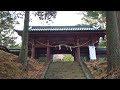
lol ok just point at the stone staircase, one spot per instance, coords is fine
(64, 70)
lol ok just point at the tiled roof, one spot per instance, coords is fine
(62, 28)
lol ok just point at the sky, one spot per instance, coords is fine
(63, 18)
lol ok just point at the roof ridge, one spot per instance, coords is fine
(39, 27)
(63, 26)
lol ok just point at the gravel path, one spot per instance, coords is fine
(64, 70)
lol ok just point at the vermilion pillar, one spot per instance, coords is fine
(33, 50)
(48, 51)
(75, 55)
(77, 51)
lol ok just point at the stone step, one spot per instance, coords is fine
(64, 70)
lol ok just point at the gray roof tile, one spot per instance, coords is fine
(62, 28)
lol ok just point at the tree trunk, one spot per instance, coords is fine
(118, 20)
(24, 49)
(113, 45)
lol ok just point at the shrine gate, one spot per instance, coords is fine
(44, 41)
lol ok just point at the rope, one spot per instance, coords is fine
(63, 45)
(44, 44)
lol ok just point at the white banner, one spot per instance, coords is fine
(92, 52)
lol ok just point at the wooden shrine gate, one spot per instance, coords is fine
(44, 41)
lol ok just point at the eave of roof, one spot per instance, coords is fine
(62, 28)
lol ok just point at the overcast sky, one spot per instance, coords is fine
(63, 18)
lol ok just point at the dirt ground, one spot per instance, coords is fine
(10, 67)
(64, 70)
(113, 74)
(97, 68)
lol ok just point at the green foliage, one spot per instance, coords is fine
(46, 16)
(14, 46)
(103, 43)
(95, 17)
(68, 57)
(7, 21)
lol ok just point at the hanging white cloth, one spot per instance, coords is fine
(59, 47)
(70, 49)
(92, 52)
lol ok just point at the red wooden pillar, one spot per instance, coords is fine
(48, 51)
(33, 50)
(75, 55)
(77, 51)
